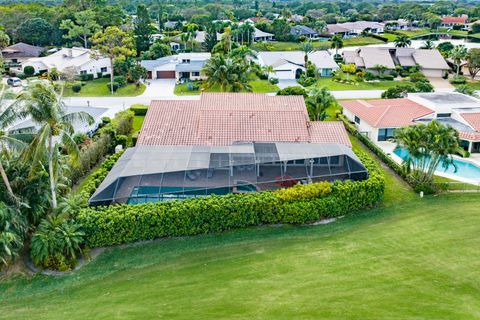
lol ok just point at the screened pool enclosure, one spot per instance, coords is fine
(159, 173)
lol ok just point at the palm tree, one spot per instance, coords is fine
(192, 32)
(44, 105)
(307, 48)
(337, 43)
(228, 73)
(458, 54)
(184, 38)
(428, 44)
(402, 42)
(318, 100)
(8, 142)
(268, 70)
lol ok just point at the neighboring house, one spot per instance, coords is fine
(291, 64)
(175, 46)
(352, 29)
(80, 60)
(16, 54)
(27, 125)
(184, 66)
(449, 21)
(431, 62)
(296, 18)
(172, 24)
(299, 31)
(378, 119)
(228, 143)
(400, 24)
(258, 35)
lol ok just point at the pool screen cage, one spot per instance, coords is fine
(159, 173)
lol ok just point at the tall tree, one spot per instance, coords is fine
(192, 33)
(458, 54)
(4, 42)
(36, 31)
(336, 43)
(210, 38)
(318, 100)
(143, 29)
(44, 105)
(84, 26)
(473, 60)
(307, 48)
(114, 43)
(228, 73)
(402, 42)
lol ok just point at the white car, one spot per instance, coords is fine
(14, 82)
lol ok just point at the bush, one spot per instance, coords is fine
(458, 80)
(273, 80)
(105, 226)
(123, 122)
(307, 81)
(369, 76)
(139, 109)
(115, 86)
(56, 243)
(120, 80)
(262, 76)
(399, 91)
(29, 71)
(292, 91)
(122, 140)
(76, 87)
(417, 77)
(387, 77)
(86, 77)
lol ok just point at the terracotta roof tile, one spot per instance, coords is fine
(473, 119)
(387, 112)
(224, 118)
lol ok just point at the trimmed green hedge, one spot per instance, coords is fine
(139, 109)
(112, 225)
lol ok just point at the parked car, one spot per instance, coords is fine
(14, 82)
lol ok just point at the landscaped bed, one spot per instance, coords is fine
(258, 86)
(338, 86)
(100, 88)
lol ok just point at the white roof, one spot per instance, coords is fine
(194, 56)
(321, 59)
(65, 58)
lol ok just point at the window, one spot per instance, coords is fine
(83, 72)
(103, 70)
(385, 134)
(195, 74)
(185, 60)
(357, 120)
(443, 115)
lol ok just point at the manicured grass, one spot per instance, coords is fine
(473, 84)
(99, 88)
(319, 45)
(334, 86)
(450, 184)
(415, 33)
(258, 86)
(137, 123)
(413, 260)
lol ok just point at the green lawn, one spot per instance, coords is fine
(99, 88)
(258, 86)
(319, 45)
(413, 260)
(475, 84)
(332, 85)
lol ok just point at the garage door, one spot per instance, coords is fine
(284, 74)
(165, 74)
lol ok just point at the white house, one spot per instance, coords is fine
(378, 119)
(350, 29)
(291, 64)
(81, 60)
(184, 66)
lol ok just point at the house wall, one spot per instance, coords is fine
(363, 127)
(434, 73)
(193, 78)
(95, 66)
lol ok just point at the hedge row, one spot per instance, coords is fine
(374, 148)
(96, 178)
(112, 225)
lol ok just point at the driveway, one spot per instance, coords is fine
(159, 88)
(282, 84)
(440, 84)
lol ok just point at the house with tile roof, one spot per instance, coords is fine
(378, 119)
(304, 31)
(430, 61)
(291, 64)
(352, 29)
(450, 21)
(14, 55)
(184, 66)
(228, 143)
(79, 60)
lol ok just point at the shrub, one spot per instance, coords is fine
(369, 76)
(86, 77)
(29, 71)
(417, 77)
(115, 86)
(292, 91)
(112, 225)
(388, 77)
(56, 243)
(76, 87)
(139, 109)
(120, 80)
(399, 91)
(307, 81)
(273, 80)
(262, 76)
(458, 80)
(123, 122)
(122, 140)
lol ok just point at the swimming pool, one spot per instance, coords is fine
(465, 169)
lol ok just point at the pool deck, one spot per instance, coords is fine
(388, 148)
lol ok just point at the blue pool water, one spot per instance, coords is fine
(464, 169)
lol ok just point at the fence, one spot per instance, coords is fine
(458, 187)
